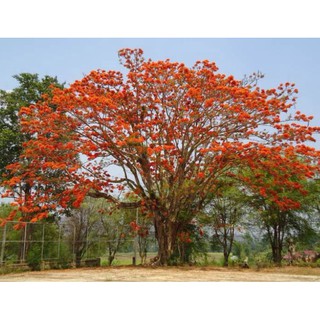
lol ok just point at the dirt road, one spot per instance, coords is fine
(175, 274)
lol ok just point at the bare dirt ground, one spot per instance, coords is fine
(172, 274)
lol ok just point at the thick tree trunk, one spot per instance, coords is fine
(277, 254)
(276, 240)
(166, 234)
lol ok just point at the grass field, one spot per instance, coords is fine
(125, 259)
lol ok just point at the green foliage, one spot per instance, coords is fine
(263, 259)
(238, 249)
(226, 213)
(12, 268)
(5, 209)
(307, 238)
(98, 228)
(215, 245)
(192, 251)
(49, 249)
(42, 244)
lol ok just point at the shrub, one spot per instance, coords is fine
(263, 259)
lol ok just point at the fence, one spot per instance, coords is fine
(64, 243)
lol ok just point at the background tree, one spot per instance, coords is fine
(283, 220)
(143, 235)
(79, 227)
(30, 90)
(227, 210)
(172, 130)
(115, 229)
(191, 244)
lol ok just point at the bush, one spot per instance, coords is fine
(263, 259)
(13, 268)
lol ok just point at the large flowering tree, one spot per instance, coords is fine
(173, 131)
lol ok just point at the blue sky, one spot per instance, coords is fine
(281, 60)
